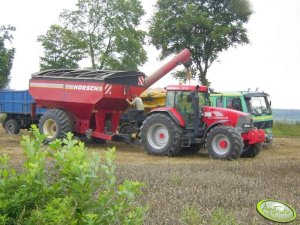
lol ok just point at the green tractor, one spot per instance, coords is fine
(257, 104)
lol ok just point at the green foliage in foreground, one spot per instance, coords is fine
(286, 129)
(61, 184)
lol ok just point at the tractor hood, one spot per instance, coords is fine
(228, 117)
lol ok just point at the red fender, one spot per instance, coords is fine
(172, 112)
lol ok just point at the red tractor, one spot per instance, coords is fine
(187, 123)
(90, 102)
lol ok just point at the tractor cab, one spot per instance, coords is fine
(258, 103)
(182, 98)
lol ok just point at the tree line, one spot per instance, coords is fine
(108, 34)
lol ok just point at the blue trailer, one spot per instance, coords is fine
(20, 109)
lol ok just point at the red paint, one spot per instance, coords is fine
(161, 135)
(223, 144)
(254, 136)
(187, 88)
(173, 112)
(221, 114)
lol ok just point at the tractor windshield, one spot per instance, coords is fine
(258, 105)
(178, 98)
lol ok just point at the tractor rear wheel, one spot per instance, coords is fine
(12, 126)
(224, 143)
(250, 151)
(160, 135)
(54, 124)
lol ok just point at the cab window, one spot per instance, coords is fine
(170, 99)
(219, 102)
(234, 103)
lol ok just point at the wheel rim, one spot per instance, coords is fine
(10, 128)
(158, 136)
(221, 144)
(50, 128)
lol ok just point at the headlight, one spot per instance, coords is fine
(245, 122)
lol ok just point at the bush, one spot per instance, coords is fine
(2, 117)
(61, 184)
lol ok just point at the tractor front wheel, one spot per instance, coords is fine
(160, 135)
(224, 143)
(54, 124)
(250, 151)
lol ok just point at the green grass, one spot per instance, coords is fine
(286, 129)
(2, 117)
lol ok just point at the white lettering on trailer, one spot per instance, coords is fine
(67, 86)
(83, 87)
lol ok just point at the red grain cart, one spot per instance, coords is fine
(90, 102)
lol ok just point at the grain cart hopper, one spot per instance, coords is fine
(90, 102)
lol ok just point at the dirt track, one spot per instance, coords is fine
(282, 148)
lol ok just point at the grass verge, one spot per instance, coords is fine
(286, 129)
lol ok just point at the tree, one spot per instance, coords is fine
(109, 31)
(63, 49)
(6, 55)
(206, 27)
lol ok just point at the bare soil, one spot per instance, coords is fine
(173, 185)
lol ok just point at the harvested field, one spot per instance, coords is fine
(174, 186)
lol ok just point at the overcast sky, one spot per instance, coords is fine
(270, 63)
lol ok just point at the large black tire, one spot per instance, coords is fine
(126, 129)
(55, 123)
(160, 135)
(12, 126)
(250, 151)
(224, 143)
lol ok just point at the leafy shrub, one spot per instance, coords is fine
(62, 184)
(2, 117)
